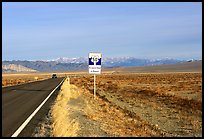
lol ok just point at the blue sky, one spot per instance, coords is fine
(44, 31)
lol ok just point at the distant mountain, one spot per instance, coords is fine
(69, 60)
(68, 64)
(47, 66)
(187, 66)
(119, 61)
(130, 62)
(16, 68)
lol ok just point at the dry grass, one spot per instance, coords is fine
(9, 79)
(77, 113)
(20, 78)
(115, 121)
(167, 101)
(149, 104)
(64, 126)
(15, 79)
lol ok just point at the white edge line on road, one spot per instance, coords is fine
(18, 131)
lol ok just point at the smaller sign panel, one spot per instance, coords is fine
(95, 63)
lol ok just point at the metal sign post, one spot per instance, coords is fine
(95, 67)
(94, 86)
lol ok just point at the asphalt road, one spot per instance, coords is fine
(18, 102)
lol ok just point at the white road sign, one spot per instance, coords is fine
(95, 63)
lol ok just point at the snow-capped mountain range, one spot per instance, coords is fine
(81, 63)
(119, 61)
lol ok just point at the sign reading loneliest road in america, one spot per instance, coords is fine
(95, 63)
(95, 67)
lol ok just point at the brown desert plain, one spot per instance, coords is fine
(156, 101)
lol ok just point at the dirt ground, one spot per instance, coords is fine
(169, 103)
(10, 79)
(76, 113)
(147, 105)
(16, 79)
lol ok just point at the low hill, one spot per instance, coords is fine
(43, 66)
(16, 68)
(191, 66)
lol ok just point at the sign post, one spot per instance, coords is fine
(95, 67)
(94, 86)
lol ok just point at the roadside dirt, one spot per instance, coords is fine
(147, 105)
(70, 114)
(170, 103)
(77, 113)
(10, 80)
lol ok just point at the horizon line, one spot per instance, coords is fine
(192, 58)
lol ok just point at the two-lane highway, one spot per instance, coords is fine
(19, 102)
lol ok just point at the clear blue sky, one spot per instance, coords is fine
(43, 31)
